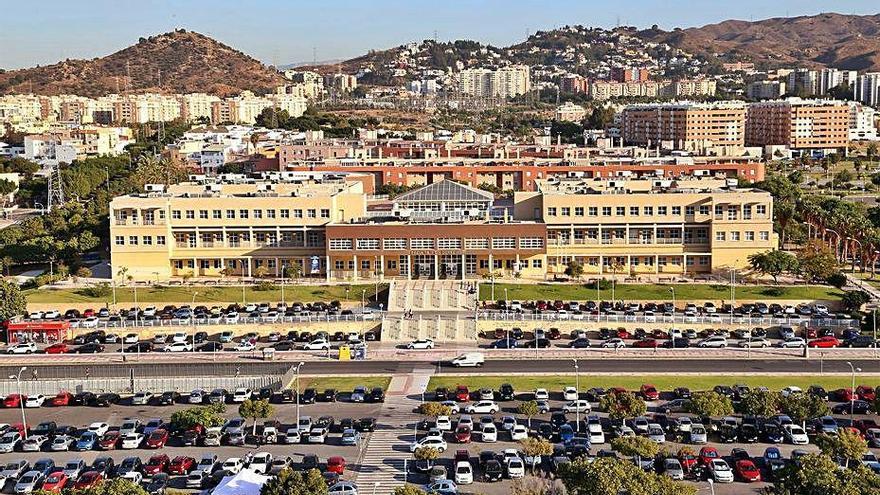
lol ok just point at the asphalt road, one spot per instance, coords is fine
(508, 366)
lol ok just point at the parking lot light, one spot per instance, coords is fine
(577, 395)
(17, 379)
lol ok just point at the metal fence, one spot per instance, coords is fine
(219, 321)
(197, 369)
(134, 384)
(677, 319)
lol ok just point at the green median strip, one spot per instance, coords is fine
(664, 382)
(342, 383)
(661, 292)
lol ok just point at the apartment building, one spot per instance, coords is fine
(230, 228)
(503, 82)
(867, 89)
(603, 90)
(570, 112)
(805, 125)
(574, 83)
(861, 122)
(765, 90)
(633, 227)
(686, 125)
(630, 74)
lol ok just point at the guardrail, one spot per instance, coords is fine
(178, 322)
(677, 319)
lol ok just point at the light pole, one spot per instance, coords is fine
(852, 395)
(711, 485)
(296, 380)
(193, 318)
(363, 308)
(283, 271)
(21, 398)
(732, 293)
(577, 396)
(672, 334)
(506, 302)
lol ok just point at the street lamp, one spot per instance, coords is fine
(852, 395)
(17, 379)
(296, 380)
(506, 302)
(193, 319)
(283, 271)
(577, 395)
(672, 334)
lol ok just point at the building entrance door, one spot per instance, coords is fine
(423, 266)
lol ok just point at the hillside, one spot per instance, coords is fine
(188, 62)
(833, 40)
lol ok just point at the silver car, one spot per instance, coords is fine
(29, 482)
(672, 468)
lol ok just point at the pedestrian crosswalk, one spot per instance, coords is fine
(382, 466)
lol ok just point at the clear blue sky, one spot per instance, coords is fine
(285, 31)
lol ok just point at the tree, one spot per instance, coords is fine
(817, 262)
(256, 409)
(117, 486)
(621, 405)
(801, 407)
(853, 300)
(434, 409)
(710, 403)
(607, 476)
(760, 403)
(818, 474)
(845, 444)
(635, 446)
(534, 446)
(837, 280)
(207, 416)
(773, 263)
(261, 271)
(12, 301)
(528, 409)
(574, 270)
(426, 454)
(409, 489)
(871, 152)
(290, 482)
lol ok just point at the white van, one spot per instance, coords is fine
(471, 359)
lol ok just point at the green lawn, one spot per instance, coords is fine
(208, 294)
(631, 292)
(633, 382)
(344, 383)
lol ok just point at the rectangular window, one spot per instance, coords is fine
(720, 236)
(297, 213)
(449, 243)
(704, 260)
(566, 211)
(661, 210)
(634, 211)
(579, 211)
(368, 243)
(747, 212)
(732, 212)
(648, 211)
(594, 211)
(531, 242)
(120, 240)
(365, 264)
(421, 243)
(392, 264)
(676, 210)
(175, 214)
(258, 213)
(340, 265)
(397, 244)
(147, 240)
(217, 214)
(689, 211)
(761, 209)
(160, 240)
(621, 211)
(190, 214)
(719, 210)
(133, 240)
(481, 243)
(765, 235)
(325, 213)
(734, 236)
(312, 213)
(270, 213)
(285, 213)
(704, 210)
(203, 214)
(230, 213)
(551, 212)
(606, 211)
(503, 243)
(690, 261)
(750, 235)
(340, 244)
(242, 213)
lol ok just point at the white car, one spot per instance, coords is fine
(482, 407)
(35, 315)
(613, 343)
(541, 394)
(464, 473)
(99, 428)
(160, 338)
(519, 432)
(60, 443)
(579, 405)
(421, 344)
(721, 471)
(443, 423)
(261, 462)
(29, 482)
(672, 468)
(428, 442)
(34, 443)
(245, 346)
(793, 342)
(142, 398)
(791, 390)
(133, 476)
(132, 441)
(594, 431)
(516, 468)
(570, 393)
(716, 341)
(34, 400)
(489, 433)
(131, 338)
(232, 465)
(90, 322)
(52, 314)
(795, 435)
(178, 347)
(129, 425)
(150, 311)
(241, 395)
(317, 345)
(453, 406)
(292, 435)
(180, 337)
(342, 488)
(22, 348)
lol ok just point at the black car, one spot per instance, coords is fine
(579, 343)
(818, 391)
(365, 424)
(169, 398)
(158, 484)
(748, 433)
(329, 395)
(200, 337)
(545, 431)
(210, 347)
(506, 392)
(856, 406)
(287, 396)
(724, 390)
(595, 393)
(860, 341)
(308, 396)
(106, 400)
(441, 394)
(140, 347)
(46, 429)
(727, 433)
(284, 345)
(422, 465)
(682, 393)
(264, 393)
(309, 461)
(104, 465)
(90, 348)
(539, 343)
(95, 337)
(772, 433)
(129, 464)
(376, 395)
(218, 396)
(557, 419)
(677, 343)
(493, 471)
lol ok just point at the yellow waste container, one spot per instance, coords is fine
(344, 353)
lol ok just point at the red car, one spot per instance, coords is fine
(845, 395)
(20, 428)
(463, 434)
(865, 424)
(157, 439)
(462, 394)
(649, 392)
(645, 343)
(13, 400)
(747, 471)
(62, 399)
(157, 464)
(707, 454)
(824, 342)
(59, 348)
(336, 464)
(55, 482)
(88, 480)
(89, 312)
(622, 333)
(688, 462)
(110, 440)
(866, 393)
(181, 465)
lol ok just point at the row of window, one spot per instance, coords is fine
(364, 244)
(256, 214)
(133, 240)
(608, 262)
(748, 236)
(635, 211)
